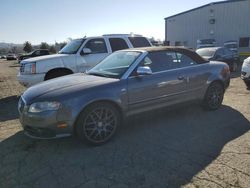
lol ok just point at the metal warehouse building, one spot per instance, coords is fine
(219, 21)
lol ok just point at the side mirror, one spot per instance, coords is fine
(86, 51)
(143, 71)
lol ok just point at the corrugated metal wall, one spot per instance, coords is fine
(232, 21)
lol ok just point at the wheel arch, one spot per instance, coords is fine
(58, 69)
(217, 81)
(112, 102)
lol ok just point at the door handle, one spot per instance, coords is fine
(181, 77)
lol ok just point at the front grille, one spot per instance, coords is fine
(22, 67)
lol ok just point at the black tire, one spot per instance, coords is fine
(247, 82)
(98, 123)
(214, 96)
(56, 74)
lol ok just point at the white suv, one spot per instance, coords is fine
(77, 56)
(245, 72)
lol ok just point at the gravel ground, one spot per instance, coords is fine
(182, 147)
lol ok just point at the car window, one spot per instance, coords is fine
(183, 61)
(96, 46)
(139, 42)
(220, 52)
(37, 53)
(43, 52)
(115, 65)
(158, 61)
(117, 44)
(228, 52)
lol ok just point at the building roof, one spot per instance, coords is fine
(213, 3)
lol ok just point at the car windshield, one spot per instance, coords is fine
(209, 52)
(231, 45)
(72, 47)
(115, 65)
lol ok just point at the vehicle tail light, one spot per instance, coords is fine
(225, 71)
(33, 68)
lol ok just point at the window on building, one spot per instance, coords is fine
(117, 44)
(244, 42)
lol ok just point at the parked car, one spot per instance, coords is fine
(35, 53)
(220, 54)
(3, 57)
(204, 43)
(232, 45)
(11, 57)
(77, 56)
(245, 72)
(93, 104)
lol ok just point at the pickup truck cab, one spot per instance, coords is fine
(78, 55)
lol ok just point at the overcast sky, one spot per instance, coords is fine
(55, 20)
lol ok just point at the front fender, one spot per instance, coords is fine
(43, 66)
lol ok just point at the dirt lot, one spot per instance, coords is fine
(186, 147)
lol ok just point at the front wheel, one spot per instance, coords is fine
(98, 123)
(214, 96)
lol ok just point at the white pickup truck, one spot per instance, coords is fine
(77, 56)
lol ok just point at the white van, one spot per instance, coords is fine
(77, 56)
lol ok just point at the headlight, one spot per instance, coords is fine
(29, 68)
(44, 106)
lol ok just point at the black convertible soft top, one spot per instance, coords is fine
(186, 51)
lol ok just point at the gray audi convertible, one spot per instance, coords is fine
(92, 105)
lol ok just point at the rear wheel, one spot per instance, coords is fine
(214, 96)
(98, 123)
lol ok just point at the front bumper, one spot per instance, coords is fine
(245, 71)
(28, 80)
(44, 125)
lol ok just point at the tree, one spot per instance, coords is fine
(44, 45)
(62, 45)
(27, 47)
(52, 49)
(14, 49)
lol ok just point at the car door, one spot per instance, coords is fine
(165, 86)
(196, 75)
(98, 51)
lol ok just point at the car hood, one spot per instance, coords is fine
(79, 81)
(44, 58)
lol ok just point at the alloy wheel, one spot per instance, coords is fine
(100, 124)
